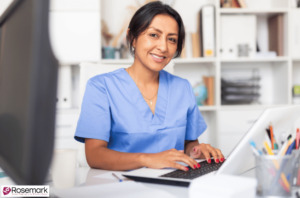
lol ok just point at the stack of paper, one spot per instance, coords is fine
(240, 91)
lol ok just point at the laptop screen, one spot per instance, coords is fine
(241, 159)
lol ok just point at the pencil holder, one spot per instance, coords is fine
(274, 175)
(296, 168)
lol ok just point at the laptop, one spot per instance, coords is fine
(240, 160)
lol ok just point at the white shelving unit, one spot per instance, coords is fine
(227, 123)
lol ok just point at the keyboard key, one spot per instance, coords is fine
(194, 173)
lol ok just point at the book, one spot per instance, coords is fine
(275, 27)
(188, 45)
(296, 90)
(207, 26)
(295, 32)
(183, 53)
(235, 4)
(242, 3)
(225, 3)
(209, 82)
(196, 38)
(196, 49)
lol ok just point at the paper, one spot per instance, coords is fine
(127, 189)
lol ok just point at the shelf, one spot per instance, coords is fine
(253, 11)
(251, 60)
(248, 107)
(207, 108)
(176, 61)
(68, 110)
(194, 60)
(296, 59)
(117, 61)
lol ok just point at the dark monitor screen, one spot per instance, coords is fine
(28, 80)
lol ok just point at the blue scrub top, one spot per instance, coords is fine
(114, 110)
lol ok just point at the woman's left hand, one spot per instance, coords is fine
(206, 151)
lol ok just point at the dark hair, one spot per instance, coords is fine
(144, 16)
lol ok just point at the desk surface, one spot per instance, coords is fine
(94, 183)
(100, 183)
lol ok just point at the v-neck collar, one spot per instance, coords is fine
(161, 102)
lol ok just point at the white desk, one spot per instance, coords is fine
(100, 183)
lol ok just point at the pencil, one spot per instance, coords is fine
(120, 180)
(269, 150)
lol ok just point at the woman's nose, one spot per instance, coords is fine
(162, 45)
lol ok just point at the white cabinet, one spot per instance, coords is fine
(74, 30)
(65, 126)
(75, 37)
(227, 123)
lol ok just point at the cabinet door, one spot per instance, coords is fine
(75, 30)
(65, 129)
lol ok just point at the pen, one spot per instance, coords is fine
(269, 150)
(297, 138)
(254, 149)
(268, 140)
(290, 149)
(268, 132)
(272, 136)
(120, 180)
(283, 148)
(286, 146)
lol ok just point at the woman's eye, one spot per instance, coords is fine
(173, 40)
(154, 35)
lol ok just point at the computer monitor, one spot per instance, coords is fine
(28, 80)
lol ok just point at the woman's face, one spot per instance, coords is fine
(157, 45)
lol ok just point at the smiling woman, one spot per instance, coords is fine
(145, 15)
(156, 46)
(143, 116)
(153, 50)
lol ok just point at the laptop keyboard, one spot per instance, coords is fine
(194, 173)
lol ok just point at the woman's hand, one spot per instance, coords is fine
(169, 159)
(206, 151)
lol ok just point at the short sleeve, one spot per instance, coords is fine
(94, 120)
(195, 122)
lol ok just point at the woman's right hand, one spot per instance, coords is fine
(169, 159)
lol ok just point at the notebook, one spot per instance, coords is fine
(241, 159)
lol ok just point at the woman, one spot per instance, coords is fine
(143, 116)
